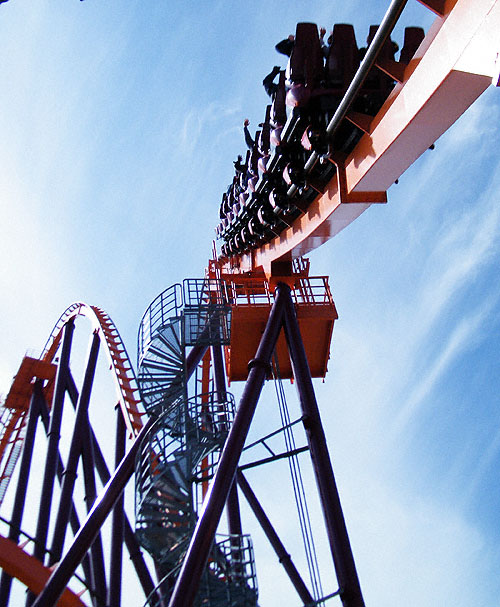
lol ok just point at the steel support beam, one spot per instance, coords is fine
(98, 575)
(70, 472)
(137, 559)
(193, 359)
(133, 548)
(350, 590)
(73, 518)
(194, 563)
(115, 567)
(134, 551)
(53, 444)
(283, 556)
(22, 482)
(95, 572)
(219, 375)
(232, 505)
(101, 509)
(52, 456)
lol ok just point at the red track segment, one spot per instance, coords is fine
(17, 401)
(456, 62)
(13, 559)
(123, 373)
(29, 570)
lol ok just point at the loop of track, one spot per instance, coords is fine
(123, 373)
(13, 558)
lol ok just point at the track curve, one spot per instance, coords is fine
(455, 63)
(14, 560)
(123, 372)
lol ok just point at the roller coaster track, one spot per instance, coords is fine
(28, 569)
(122, 370)
(123, 375)
(457, 60)
(15, 560)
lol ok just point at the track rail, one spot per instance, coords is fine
(13, 559)
(456, 62)
(123, 373)
(28, 570)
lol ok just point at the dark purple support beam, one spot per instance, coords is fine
(234, 526)
(193, 359)
(93, 562)
(135, 553)
(86, 564)
(22, 482)
(137, 559)
(219, 374)
(101, 509)
(196, 353)
(115, 567)
(73, 517)
(133, 548)
(98, 575)
(52, 456)
(283, 556)
(232, 505)
(93, 456)
(194, 563)
(72, 390)
(350, 590)
(233, 511)
(53, 444)
(141, 568)
(164, 587)
(70, 473)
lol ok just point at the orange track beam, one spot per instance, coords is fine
(123, 373)
(455, 63)
(28, 570)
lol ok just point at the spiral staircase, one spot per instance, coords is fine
(182, 448)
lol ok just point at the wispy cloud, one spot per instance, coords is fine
(459, 340)
(211, 119)
(427, 298)
(423, 548)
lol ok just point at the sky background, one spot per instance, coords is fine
(119, 122)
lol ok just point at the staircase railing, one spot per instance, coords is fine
(229, 580)
(183, 446)
(167, 305)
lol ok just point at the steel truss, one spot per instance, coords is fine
(38, 397)
(86, 547)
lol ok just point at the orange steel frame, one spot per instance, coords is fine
(17, 404)
(251, 301)
(30, 571)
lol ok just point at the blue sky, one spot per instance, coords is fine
(119, 122)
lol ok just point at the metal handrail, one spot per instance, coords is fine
(245, 569)
(309, 290)
(166, 305)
